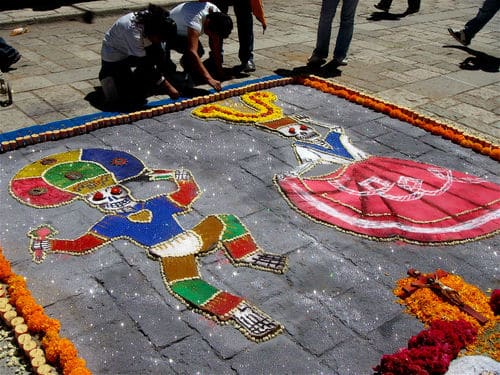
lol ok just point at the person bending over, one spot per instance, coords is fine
(194, 19)
(134, 62)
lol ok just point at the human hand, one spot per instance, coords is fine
(215, 84)
(171, 90)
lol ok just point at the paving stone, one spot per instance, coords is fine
(34, 107)
(401, 77)
(29, 84)
(225, 340)
(479, 79)
(340, 358)
(405, 144)
(280, 356)
(394, 334)
(113, 347)
(478, 113)
(254, 285)
(66, 77)
(192, 355)
(138, 300)
(11, 118)
(404, 97)
(438, 87)
(308, 322)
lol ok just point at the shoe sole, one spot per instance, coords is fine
(381, 8)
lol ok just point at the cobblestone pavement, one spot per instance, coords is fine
(411, 61)
(335, 301)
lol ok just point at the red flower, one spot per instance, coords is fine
(495, 301)
(431, 351)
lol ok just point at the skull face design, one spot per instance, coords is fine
(111, 199)
(298, 131)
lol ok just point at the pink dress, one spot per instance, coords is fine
(389, 198)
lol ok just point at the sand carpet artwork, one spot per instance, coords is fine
(97, 177)
(156, 193)
(378, 197)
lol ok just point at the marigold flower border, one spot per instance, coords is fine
(433, 126)
(59, 351)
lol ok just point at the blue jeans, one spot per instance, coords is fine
(7, 53)
(344, 36)
(485, 13)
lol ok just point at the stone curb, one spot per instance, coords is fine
(77, 11)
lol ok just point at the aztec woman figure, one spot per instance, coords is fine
(96, 176)
(376, 197)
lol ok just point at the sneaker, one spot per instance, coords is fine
(315, 61)
(248, 67)
(381, 7)
(340, 62)
(459, 36)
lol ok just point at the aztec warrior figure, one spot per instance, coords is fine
(96, 176)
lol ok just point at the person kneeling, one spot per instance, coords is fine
(134, 63)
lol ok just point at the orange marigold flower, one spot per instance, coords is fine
(394, 113)
(50, 324)
(75, 366)
(378, 106)
(476, 146)
(25, 303)
(486, 150)
(78, 371)
(495, 154)
(51, 351)
(343, 93)
(31, 308)
(67, 349)
(16, 281)
(466, 143)
(5, 270)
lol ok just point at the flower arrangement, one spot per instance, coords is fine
(260, 101)
(433, 126)
(431, 351)
(429, 307)
(59, 351)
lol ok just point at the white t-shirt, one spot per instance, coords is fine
(124, 39)
(191, 15)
